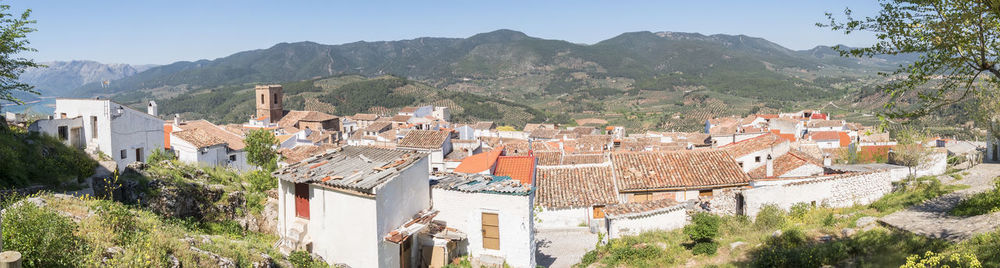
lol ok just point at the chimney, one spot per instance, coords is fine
(151, 108)
(827, 161)
(177, 120)
(770, 167)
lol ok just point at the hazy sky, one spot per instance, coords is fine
(160, 32)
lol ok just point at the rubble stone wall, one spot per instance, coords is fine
(839, 191)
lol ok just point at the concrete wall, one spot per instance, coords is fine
(836, 191)
(463, 211)
(397, 201)
(666, 220)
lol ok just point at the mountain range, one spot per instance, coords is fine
(641, 79)
(60, 78)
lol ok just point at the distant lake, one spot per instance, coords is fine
(43, 106)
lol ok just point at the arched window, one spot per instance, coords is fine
(261, 98)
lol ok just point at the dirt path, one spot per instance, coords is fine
(931, 218)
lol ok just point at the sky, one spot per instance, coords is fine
(161, 32)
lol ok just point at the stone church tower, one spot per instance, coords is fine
(270, 102)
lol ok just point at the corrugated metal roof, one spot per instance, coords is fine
(479, 183)
(351, 167)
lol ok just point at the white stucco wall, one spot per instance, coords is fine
(563, 218)
(749, 160)
(828, 144)
(51, 127)
(937, 164)
(463, 211)
(667, 220)
(397, 201)
(803, 171)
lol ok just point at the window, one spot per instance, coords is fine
(138, 154)
(705, 193)
(63, 133)
(741, 164)
(62, 115)
(93, 127)
(124, 154)
(261, 98)
(756, 159)
(275, 98)
(232, 158)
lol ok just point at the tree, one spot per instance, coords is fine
(704, 228)
(958, 43)
(260, 148)
(910, 152)
(13, 41)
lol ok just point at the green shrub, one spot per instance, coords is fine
(121, 221)
(705, 248)
(300, 259)
(981, 203)
(770, 217)
(910, 192)
(799, 210)
(43, 237)
(704, 227)
(159, 155)
(260, 181)
(986, 246)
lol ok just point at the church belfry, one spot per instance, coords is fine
(270, 102)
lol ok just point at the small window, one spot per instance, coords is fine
(741, 164)
(261, 98)
(435, 169)
(275, 98)
(62, 115)
(232, 158)
(705, 193)
(756, 159)
(124, 154)
(63, 133)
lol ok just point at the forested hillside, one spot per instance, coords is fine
(642, 80)
(341, 95)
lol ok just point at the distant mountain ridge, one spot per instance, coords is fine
(60, 78)
(637, 55)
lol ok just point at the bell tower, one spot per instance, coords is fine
(270, 102)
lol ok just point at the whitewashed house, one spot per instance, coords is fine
(754, 153)
(203, 143)
(123, 134)
(574, 195)
(495, 214)
(360, 206)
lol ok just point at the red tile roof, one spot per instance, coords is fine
(520, 168)
(789, 137)
(479, 162)
(423, 139)
(785, 163)
(206, 128)
(642, 208)
(842, 137)
(744, 147)
(636, 171)
(825, 123)
(575, 187)
(292, 118)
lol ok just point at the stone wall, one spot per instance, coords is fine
(724, 201)
(665, 219)
(836, 191)
(30, 190)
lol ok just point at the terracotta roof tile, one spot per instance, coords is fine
(823, 135)
(299, 153)
(197, 137)
(400, 118)
(484, 125)
(232, 140)
(564, 187)
(741, 148)
(521, 168)
(365, 117)
(292, 118)
(785, 163)
(641, 208)
(479, 162)
(676, 169)
(423, 139)
(543, 133)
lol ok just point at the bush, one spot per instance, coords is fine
(703, 227)
(705, 248)
(300, 258)
(260, 181)
(981, 203)
(911, 192)
(44, 238)
(799, 210)
(770, 217)
(159, 155)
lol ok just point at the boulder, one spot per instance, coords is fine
(848, 232)
(865, 221)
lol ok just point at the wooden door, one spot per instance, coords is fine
(302, 200)
(138, 155)
(404, 253)
(598, 212)
(491, 231)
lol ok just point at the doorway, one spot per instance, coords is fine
(491, 231)
(302, 200)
